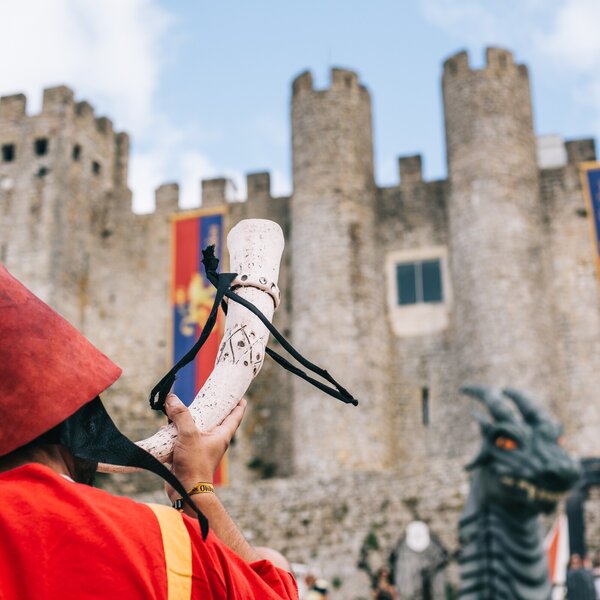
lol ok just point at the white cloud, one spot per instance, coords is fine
(561, 36)
(112, 54)
(489, 22)
(572, 43)
(572, 38)
(469, 19)
(110, 51)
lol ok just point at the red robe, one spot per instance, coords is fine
(63, 540)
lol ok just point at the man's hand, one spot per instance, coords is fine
(197, 454)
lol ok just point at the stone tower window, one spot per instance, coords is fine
(419, 282)
(418, 290)
(8, 152)
(41, 146)
(76, 154)
(96, 168)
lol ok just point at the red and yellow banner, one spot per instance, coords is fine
(192, 297)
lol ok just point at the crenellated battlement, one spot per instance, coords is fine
(457, 64)
(498, 61)
(411, 170)
(344, 79)
(167, 198)
(65, 131)
(258, 185)
(581, 150)
(302, 83)
(104, 126)
(84, 111)
(340, 79)
(85, 114)
(214, 191)
(13, 107)
(58, 100)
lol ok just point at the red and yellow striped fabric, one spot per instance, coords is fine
(64, 540)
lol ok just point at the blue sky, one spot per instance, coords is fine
(204, 87)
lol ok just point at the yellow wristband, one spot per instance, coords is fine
(199, 488)
(202, 488)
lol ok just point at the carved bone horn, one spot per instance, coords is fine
(495, 403)
(255, 248)
(531, 413)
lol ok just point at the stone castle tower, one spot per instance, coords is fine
(404, 293)
(495, 224)
(334, 285)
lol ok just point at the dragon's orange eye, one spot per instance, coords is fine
(506, 443)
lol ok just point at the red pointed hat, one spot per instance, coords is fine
(48, 369)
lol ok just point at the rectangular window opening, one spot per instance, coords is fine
(41, 146)
(8, 152)
(425, 406)
(419, 282)
(432, 281)
(96, 168)
(407, 283)
(76, 152)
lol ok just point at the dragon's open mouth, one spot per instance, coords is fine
(533, 491)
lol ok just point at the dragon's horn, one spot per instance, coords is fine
(531, 413)
(495, 403)
(483, 422)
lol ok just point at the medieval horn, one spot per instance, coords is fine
(495, 403)
(255, 249)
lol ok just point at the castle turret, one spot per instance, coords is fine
(65, 182)
(337, 302)
(501, 315)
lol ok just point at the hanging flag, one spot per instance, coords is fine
(192, 297)
(556, 545)
(590, 174)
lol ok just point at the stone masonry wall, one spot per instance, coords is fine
(323, 522)
(574, 288)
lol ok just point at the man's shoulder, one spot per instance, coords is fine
(35, 482)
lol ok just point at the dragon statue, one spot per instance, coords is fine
(520, 472)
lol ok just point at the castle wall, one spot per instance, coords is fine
(412, 223)
(68, 232)
(574, 288)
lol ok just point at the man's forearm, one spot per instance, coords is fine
(223, 525)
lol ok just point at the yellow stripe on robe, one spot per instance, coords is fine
(178, 552)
